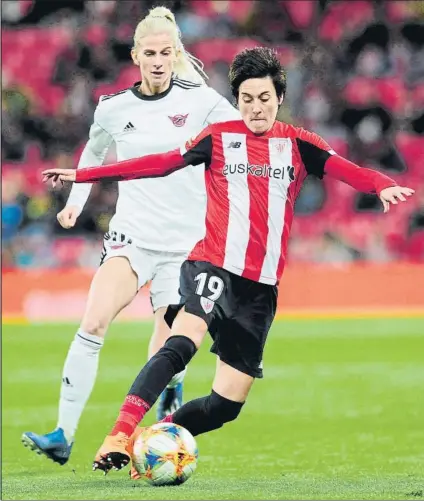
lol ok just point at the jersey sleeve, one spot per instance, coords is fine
(360, 178)
(319, 159)
(94, 153)
(198, 150)
(220, 109)
(314, 152)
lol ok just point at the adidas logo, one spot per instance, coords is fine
(66, 382)
(129, 127)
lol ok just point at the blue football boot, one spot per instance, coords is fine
(170, 400)
(53, 445)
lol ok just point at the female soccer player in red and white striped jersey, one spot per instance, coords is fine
(255, 168)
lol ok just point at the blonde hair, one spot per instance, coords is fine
(162, 20)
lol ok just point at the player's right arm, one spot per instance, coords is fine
(197, 151)
(93, 154)
(319, 159)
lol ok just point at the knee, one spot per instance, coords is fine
(96, 326)
(179, 350)
(192, 324)
(221, 409)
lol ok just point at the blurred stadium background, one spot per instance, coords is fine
(355, 76)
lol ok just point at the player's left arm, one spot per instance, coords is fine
(197, 151)
(320, 159)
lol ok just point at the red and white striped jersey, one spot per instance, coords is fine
(252, 183)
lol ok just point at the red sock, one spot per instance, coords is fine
(131, 413)
(167, 419)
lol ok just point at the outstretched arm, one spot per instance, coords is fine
(157, 165)
(194, 152)
(319, 159)
(360, 178)
(367, 180)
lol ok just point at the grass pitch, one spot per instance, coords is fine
(339, 415)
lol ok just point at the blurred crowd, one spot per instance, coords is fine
(355, 76)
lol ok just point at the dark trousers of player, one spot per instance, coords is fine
(197, 416)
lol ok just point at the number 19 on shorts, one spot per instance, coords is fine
(215, 286)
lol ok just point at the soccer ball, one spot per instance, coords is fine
(165, 454)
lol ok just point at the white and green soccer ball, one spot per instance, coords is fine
(165, 454)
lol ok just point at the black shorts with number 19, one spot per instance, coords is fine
(238, 311)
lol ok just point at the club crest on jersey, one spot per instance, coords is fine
(178, 120)
(207, 304)
(281, 144)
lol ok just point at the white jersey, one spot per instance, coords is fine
(165, 214)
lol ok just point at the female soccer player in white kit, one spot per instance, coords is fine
(157, 222)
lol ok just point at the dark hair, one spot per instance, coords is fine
(259, 62)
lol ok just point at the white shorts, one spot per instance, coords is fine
(161, 268)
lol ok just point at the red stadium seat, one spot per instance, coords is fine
(211, 51)
(392, 94)
(104, 89)
(411, 147)
(239, 11)
(339, 199)
(301, 12)
(77, 153)
(30, 170)
(414, 247)
(95, 34)
(360, 91)
(344, 18)
(399, 10)
(127, 77)
(309, 226)
(29, 57)
(417, 96)
(396, 243)
(358, 228)
(68, 250)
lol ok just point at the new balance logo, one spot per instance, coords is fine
(234, 144)
(129, 127)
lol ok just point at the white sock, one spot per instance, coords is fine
(78, 378)
(178, 378)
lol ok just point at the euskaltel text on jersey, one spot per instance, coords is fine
(252, 183)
